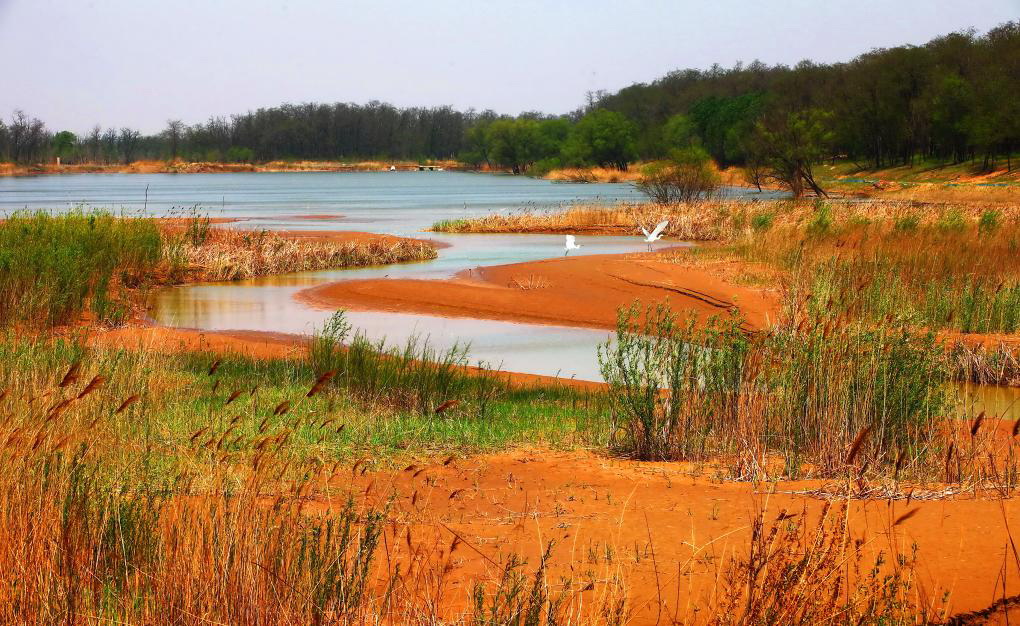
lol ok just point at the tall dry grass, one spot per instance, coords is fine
(223, 254)
(110, 513)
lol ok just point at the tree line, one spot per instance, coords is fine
(953, 99)
(306, 131)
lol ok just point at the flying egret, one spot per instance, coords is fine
(656, 234)
(570, 245)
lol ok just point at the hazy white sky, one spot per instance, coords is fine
(76, 63)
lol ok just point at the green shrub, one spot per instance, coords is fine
(906, 224)
(821, 223)
(989, 221)
(762, 222)
(951, 221)
(418, 377)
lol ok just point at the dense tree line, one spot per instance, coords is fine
(953, 99)
(307, 131)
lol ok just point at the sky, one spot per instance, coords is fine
(138, 63)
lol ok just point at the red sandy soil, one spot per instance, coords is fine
(581, 291)
(516, 502)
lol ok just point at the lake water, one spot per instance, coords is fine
(399, 203)
(402, 203)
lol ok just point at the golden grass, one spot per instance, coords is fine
(236, 255)
(595, 174)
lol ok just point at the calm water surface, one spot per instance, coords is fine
(402, 203)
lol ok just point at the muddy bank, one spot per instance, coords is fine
(582, 291)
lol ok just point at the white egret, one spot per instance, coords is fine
(570, 245)
(656, 234)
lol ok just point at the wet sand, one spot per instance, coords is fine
(582, 291)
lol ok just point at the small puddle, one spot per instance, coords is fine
(995, 401)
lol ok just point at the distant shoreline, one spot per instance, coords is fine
(205, 167)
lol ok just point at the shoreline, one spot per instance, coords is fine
(203, 167)
(583, 292)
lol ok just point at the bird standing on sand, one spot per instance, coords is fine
(656, 234)
(570, 245)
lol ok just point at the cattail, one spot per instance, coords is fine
(92, 386)
(905, 516)
(418, 472)
(71, 376)
(949, 457)
(282, 408)
(454, 544)
(263, 425)
(219, 444)
(977, 424)
(1016, 427)
(3, 394)
(354, 468)
(320, 382)
(449, 404)
(233, 396)
(855, 447)
(215, 366)
(198, 433)
(410, 468)
(455, 493)
(414, 498)
(448, 460)
(126, 403)
(58, 408)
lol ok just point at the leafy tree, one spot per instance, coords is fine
(678, 132)
(64, 145)
(514, 143)
(788, 146)
(602, 137)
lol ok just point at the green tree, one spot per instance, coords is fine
(514, 143)
(64, 144)
(789, 145)
(602, 137)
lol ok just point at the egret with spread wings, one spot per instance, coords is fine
(656, 234)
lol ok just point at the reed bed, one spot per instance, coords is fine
(594, 175)
(715, 220)
(237, 255)
(695, 221)
(144, 488)
(54, 267)
(95, 266)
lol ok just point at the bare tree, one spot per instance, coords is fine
(174, 129)
(94, 146)
(128, 143)
(27, 138)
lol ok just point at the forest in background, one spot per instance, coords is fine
(951, 100)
